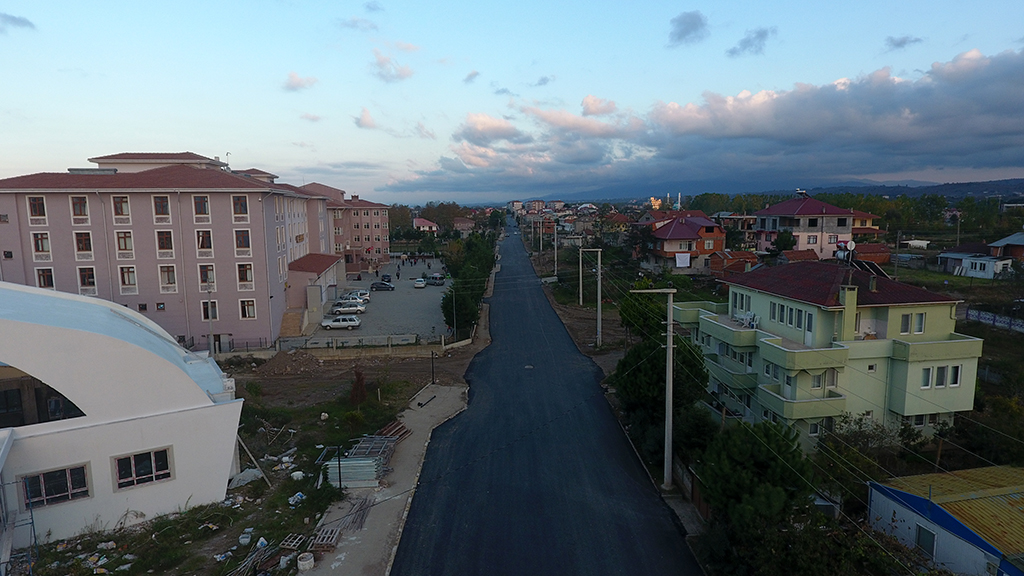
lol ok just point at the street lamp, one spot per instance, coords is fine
(209, 313)
(669, 333)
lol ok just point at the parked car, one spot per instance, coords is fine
(348, 308)
(364, 294)
(419, 283)
(385, 277)
(435, 279)
(382, 286)
(349, 322)
(351, 298)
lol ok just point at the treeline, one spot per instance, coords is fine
(469, 262)
(441, 213)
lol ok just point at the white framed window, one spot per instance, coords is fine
(800, 319)
(872, 368)
(142, 468)
(44, 278)
(247, 309)
(709, 244)
(768, 369)
(128, 282)
(789, 319)
(919, 323)
(36, 210)
(816, 381)
(905, 324)
(164, 244)
(243, 247)
(926, 378)
(209, 309)
(245, 277)
(41, 247)
(55, 486)
(240, 209)
(954, 375)
(79, 210)
(201, 209)
(207, 278)
(83, 246)
(813, 429)
(87, 281)
(831, 378)
(122, 210)
(168, 279)
(918, 420)
(125, 245)
(204, 243)
(869, 414)
(941, 372)
(161, 210)
(772, 309)
(776, 371)
(812, 239)
(833, 238)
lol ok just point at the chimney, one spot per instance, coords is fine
(355, 196)
(873, 283)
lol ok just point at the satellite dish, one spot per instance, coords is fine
(851, 245)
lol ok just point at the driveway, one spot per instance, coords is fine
(536, 476)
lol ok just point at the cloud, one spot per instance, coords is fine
(406, 47)
(753, 42)
(373, 7)
(10, 21)
(482, 130)
(504, 92)
(892, 43)
(355, 23)
(425, 133)
(311, 117)
(544, 81)
(296, 82)
(387, 69)
(594, 106)
(364, 120)
(688, 28)
(470, 77)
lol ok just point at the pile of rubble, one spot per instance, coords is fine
(291, 363)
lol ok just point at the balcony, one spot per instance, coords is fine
(731, 378)
(725, 329)
(689, 313)
(956, 346)
(770, 397)
(795, 356)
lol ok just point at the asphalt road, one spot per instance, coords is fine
(535, 477)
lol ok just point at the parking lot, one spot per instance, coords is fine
(406, 310)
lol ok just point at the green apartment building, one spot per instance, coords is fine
(803, 343)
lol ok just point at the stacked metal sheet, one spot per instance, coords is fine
(354, 472)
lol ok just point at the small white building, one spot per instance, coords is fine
(106, 420)
(974, 265)
(968, 521)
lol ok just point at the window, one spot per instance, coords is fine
(816, 381)
(41, 242)
(919, 323)
(142, 468)
(79, 206)
(954, 376)
(776, 371)
(143, 307)
(841, 222)
(161, 306)
(83, 241)
(124, 241)
(767, 368)
(926, 378)
(204, 239)
(813, 429)
(919, 420)
(833, 238)
(201, 205)
(164, 240)
(869, 414)
(206, 275)
(86, 277)
(167, 276)
(240, 205)
(121, 206)
(905, 324)
(44, 277)
(790, 310)
(940, 376)
(37, 207)
(812, 239)
(161, 206)
(127, 276)
(366, 225)
(772, 314)
(933, 419)
(356, 225)
(247, 309)
(241, 239)
(55, 486)
(709, 244)
(872, 368)
(800, 319)
(245, 272)
(812, 222)
(209, 309)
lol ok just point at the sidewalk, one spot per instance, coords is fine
(369, 550)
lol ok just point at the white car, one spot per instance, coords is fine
(364, 294)
(349, 322)
(419, 283)
(346, 308)
(355, 299)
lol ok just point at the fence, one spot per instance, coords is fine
(248, 345)
(347, 341)
(997, 320)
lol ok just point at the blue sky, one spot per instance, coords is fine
(479, 101)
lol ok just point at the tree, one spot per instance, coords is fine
(358, 393)
(400, 217)
(734, 238)
(784, 241)
(642, 314)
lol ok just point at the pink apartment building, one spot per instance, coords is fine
(197, 248)
(360, 228)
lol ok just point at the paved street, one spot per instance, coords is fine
(535, 477)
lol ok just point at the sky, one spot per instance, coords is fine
(491, 101)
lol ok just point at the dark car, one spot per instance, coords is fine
(385, 277)
(382, 286)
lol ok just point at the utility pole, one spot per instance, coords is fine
(896, 269)
(209, 312)
(669, 333)
(598, 250)
(555, 222)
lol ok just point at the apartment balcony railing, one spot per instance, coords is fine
(795, 356)
(770, 396)
(957, 346)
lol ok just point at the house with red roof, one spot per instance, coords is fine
(805, 343)
(725, 263)
(424, 225)
(815, 225)
(360, 230)
(684, 245)
(788, 256)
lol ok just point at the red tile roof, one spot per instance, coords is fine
(803, 207)
(315, 263)
(683, 229)
(863, 214)
(254, 172)
(800, 255)
(872, 248)
(730, 255)
(666, 214)
(818, 283)
(866, 231)
(174, 176)
(154, 156)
